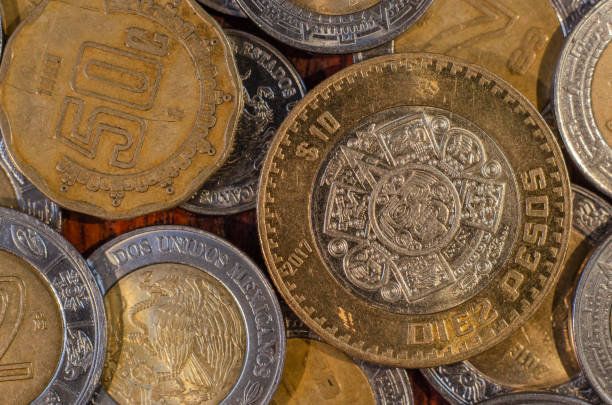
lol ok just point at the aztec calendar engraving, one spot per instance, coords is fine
(415, 210)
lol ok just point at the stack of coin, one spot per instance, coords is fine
(433, 206)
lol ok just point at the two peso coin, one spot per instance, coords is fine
(52, 323)
(582, 107)
(540, 356)
(534, 398)
(271, 87)
(331, 26)
(520, 40)
(592, 321)
(122, 121)
(317, 373)
(191, 320)
(229, 7)
(17, 192)
(414, 209)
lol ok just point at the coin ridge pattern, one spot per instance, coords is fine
(79, 299)
(284, 262)
(571, 12)
(322, 33)
(209, 253)
(389, 385)
(164, 174)
(229, 7)
(463, 384)
(233, 188)
(591, 320)
(572, 99)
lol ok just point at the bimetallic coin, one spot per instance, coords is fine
(591, 321)
(571, 12)
(539, 356)
(14, 12)
(317, 373)
(18, 193)
(271, 87)
(122, 121)
(520, 40)
(191, 321)
(534, 398)
(52, 321)
(224, 6)
(332, 26)
(414, 209)
(582, 87)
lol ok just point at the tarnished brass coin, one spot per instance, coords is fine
(418, 192)
(318, 373)
(520, 40)
(540, 355)
(15, 11)
(124, 120)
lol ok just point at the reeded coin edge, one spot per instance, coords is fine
(143, 209)
(503, 90)
(223, 9)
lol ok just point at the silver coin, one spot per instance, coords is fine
(534, 398)
(591, 320)
(581, 96)
(81, 317)
(570, 12)
(229, 7)
(29, 199)
(271, 88)
(204, 300)
(387, 385)
(309, 27)
(462, 383)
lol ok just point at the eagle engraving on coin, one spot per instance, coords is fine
(183, 344)
(413, 215)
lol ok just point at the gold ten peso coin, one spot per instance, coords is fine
(125, 119)
(414, 210)
(519, 40)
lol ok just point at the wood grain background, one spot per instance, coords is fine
(86, 233)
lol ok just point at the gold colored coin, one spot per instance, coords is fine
(128, 118)
(31, 331)
(15, 11)
(159, 351)
(336, 7)
(520, 40)
(8, 197)
(540, 355)
(440, 211)
(317, 373)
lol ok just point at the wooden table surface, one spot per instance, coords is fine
(86, 233)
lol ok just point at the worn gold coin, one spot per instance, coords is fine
(520, 40)
(125, 119)
(15, 11)
(540, 354)
(440, 211)
(31, 331)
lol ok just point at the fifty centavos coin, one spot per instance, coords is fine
(17, 192)
(591, 320)
(441, 211)
(192, 320)
(540, 355)
(317, 373)
(332, 26)
(14, 12)
(534, 398)
(271, 87)
(582, 88)
(52, 323)
(122, 121)
(229, 7)
(520, 40)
